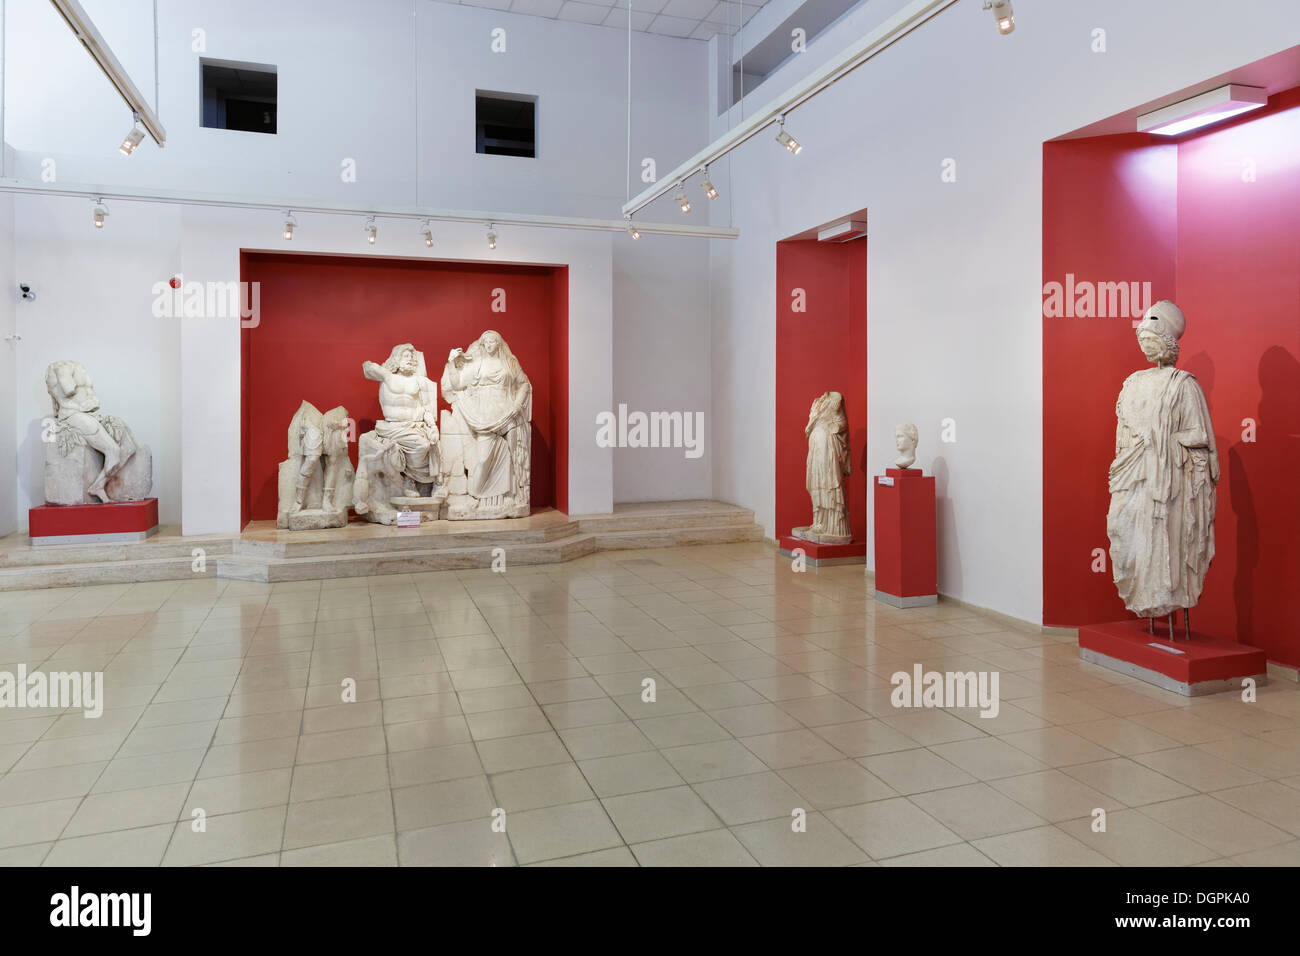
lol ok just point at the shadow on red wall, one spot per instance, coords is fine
(822, 349)
(1212, 222)
(322, 316)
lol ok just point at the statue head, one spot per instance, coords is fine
(406, 359)
(906, 437)
(491, 344)
(1159, 331)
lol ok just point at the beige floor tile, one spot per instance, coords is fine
(411, 767)
(583, 713)
(53, 783)
(887, 828)
(338, 778)
(753, 797)
(1283, 854)
(755, 719)
(517, 753)
(564, 830)
(987, 758)
(470, 843)
(931, 726)
(711, 761)
(127, 809)
(1271, 802)
(540, 787)
(679, 730)
(423, 734)
(507, 723)
(1215, 824)
(1127, 781)
(1133, 839)
(338, 819)
(658, 814)
(1041, 846)
(614, 856)
(915, 771)
(229, 836)
(864, 738)
(341, 744)
(1057, 746)
(711, 848)
(791, 749)
(839, 783)
(976, 811)
(775, 843)
(958, 854)
(628, 773)
(1054, 796)
(35, 822)
(248, 757)
(139, 847)
(367, 851)
(1123, 736)
(1197, 769)
(605, 740)
(448, 801)
(244, 791)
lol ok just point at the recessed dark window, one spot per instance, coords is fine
(505, 124)
(238, 96)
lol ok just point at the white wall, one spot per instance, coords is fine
(954, 270)
(389, 84)
(9, 305)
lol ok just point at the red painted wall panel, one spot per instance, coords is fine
(322, 316)
(1235, 258)
(822, 349)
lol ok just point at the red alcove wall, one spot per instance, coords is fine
(1226, 248)
(820, 350)
(322, 316)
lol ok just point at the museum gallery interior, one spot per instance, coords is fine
(676, 433)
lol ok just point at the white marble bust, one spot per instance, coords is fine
(1163, 478)
(905, 440)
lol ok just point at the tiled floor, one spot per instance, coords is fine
(517, 698)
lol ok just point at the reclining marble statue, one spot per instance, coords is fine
(316, 480)
(487, 436)
(90, 457)
(828, 465)
(1163, 479)
(398, 462)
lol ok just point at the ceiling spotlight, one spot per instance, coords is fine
(1005, 15)
(785, 139)
(681, 198)
(101, 213)
(427, 232)
(632, 230)
(492, 237)
(133, 138)
(289, 225)
(709, 189)
(372, 231)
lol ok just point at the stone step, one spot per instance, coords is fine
(246, 567)
(173, 547)
(716, 515)
(678, 537)
(178, 568)
(449, 537)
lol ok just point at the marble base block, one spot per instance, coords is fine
(68, 476)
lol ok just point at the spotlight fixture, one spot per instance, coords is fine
(709, 189)
(427, 232)
(289, 225)
(1005, 15)
(681, 198)
(492, 237)
(1202, 110)
(372, 231)
(785, 139)
(632, 229)
(133, 138)
(101, 213)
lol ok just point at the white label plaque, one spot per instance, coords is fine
(885, 480)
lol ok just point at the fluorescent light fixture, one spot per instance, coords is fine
(101, 213)
(289, 225)
(785, 139)
(844, 231)
(1202, 110)
(372, 231)
(133, 138)
(1006, 16)
(427, 231)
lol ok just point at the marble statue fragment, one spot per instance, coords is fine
(398, 462)
(487, 435)
(316, 479)
(828, 466)
(1163, 478)
(906, 438)
(90, 457)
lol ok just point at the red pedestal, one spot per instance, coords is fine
(116, 521)
(906, 558)
(855, 552)
(1189, 666)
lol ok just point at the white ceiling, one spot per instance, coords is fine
(697, 19)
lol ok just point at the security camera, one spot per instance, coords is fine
(27, 293)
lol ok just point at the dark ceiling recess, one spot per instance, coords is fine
(240, 96)
(505, 124)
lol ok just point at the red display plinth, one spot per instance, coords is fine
(851, 553)
(93, 524)
(1187, 665)
(906, 555)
